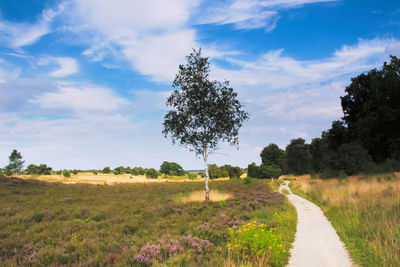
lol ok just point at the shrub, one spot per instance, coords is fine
(66, 173)
(192, 176)
(151, 173)
(94, 172)
(106, 170)
(74, 171)
(247, 180)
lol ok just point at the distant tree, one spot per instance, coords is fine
(336, 136)
(214, 171)
(272, 155)
(94, 172)
(268, 171)
(42, 169)
(16, 164)
(106, 170)
(66, 173)
(74, 171)
(371, 110)
(298, 156)
(235, 172)
(203, 112)
(152, 173)
(171, 168)
(253, 171)
(353, 158)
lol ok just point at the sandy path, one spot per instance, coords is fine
(316, 243)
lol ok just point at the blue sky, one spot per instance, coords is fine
(83, 83)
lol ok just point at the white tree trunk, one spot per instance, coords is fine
(207, 188)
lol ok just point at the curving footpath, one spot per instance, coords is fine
(316, 243)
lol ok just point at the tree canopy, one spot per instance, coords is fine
(203, 112)
(16, 164)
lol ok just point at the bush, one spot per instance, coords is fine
(247, 180)
(116, 172)
(74, 171)
(151, 173)
(106, 170)
(94, 172)
(66, 173)
(192, 176)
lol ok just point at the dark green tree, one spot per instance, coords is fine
(106, 170)
(272, 155)
(152, 173)
(172, 168)
(371, 110)
(298, 156)
(253, 171)
(15, 164)
(203, 112)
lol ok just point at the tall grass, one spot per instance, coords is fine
(54, 224)
(365, 210)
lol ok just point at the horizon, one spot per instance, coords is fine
(84, 83)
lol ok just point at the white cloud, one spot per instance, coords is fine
(66, 65)
(153, 36)
(250, 14)
(274, 70)
(23, 34)
(81, 98)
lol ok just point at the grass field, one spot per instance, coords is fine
(102, 178)
(365, 210)
(142, 224)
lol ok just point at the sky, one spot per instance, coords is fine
(83, 83)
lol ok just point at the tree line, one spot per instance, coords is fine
(365, 140)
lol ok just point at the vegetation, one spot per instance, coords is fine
(364, 211)
(42, 169)
(16, 164)
(203, 112)
(263, 171)
(171, 168)
(152, 173)
(43, 224)
(224, 171)
(366, 140)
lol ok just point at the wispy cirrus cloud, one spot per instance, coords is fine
(17, 35)
(251, 14)
(65, 66)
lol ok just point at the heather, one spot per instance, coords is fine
(136, 224)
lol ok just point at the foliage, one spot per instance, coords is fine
(152, 173)
(94, 172)
(75, 171)
(272, 155)
(42, 169)
(203, 112)
(371, 110)
(298, 156)
(262, 171)
(66, 173)
(47, 224)
(106, 170)
(171, 168)
(16, 164)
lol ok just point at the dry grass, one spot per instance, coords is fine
(352, 190)
(199, 196)
(102, 178)
(365, 211)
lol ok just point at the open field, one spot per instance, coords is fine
(142, 224)
(110, 179)
(365, 210)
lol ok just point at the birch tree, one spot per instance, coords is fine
(203, 112)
